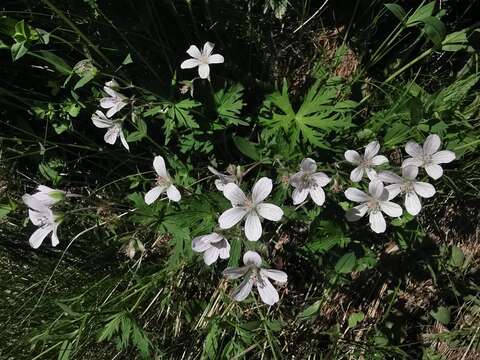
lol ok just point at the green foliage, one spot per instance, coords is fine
(320, 113)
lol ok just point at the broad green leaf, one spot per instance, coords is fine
(455, 41)
(434, 29)
(247, 148)
(310, 311)
(18, 50)
(457, 258)
(346, 263)
(355, 318)
(421, 14)
(60, 65)
(442, 315)
(396, 10)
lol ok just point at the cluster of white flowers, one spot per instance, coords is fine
(252, 208)
(41, 215)
(114, 102)
(378, 199)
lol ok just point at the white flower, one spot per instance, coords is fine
(366, 162)
(114, 128)
(428, 156)
(376, 202)
(202, 59)
(408, 186)
(223, 179)
(43, 217)
(115, 102)
(307, 181)
(48, 196)
(252, 208)
(164, 183)
(255, 275)
(212, 246)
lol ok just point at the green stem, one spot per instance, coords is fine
(411, 63)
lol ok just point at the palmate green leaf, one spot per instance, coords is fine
(178, 115)
(229, 103)
(316, 117)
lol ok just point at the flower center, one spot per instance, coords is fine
(44, 222)
(407, 186)
(248, 204)
(373, 205)
(426, 158)
(163, 181)
(366, 163)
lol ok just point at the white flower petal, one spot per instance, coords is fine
(35, 217)
(318, 195)
(269, 211)
(253, 226)
(231, 217)
(111, 135)
(299, 195)
(393, 190)
(39, 235)
(243, 290)
(252, 258)
(194, 52)
(123, 140)
(276, 275)
(424, 189)
(379, 160)
(296, 179)
(235, 272)
(233, 193)
(356, 213)
(189, 64)
(434, 171)
(204, 71)
(211, 255)
(116, 108)
(308, 165)
(173, 194)
(353, 157)
(356, 195)
(412, 203)
(431, 144)
(268, 293)
(220, 185)
(223, 248)
(321, 179)
(107, 102)
(377, 222)
(215, 59)
(371, 174)
(261, 189)
(55, 240)
(371, 150)
(389, 177)
(413, 149)
(357, 174)
(36, 205)
(159, 166)
(207, 49)
(375, 188)
(201, 243)
(153, 194)
(390, 208)
(410, 172)
(100, 120)
(443, 157)
(412, 162)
